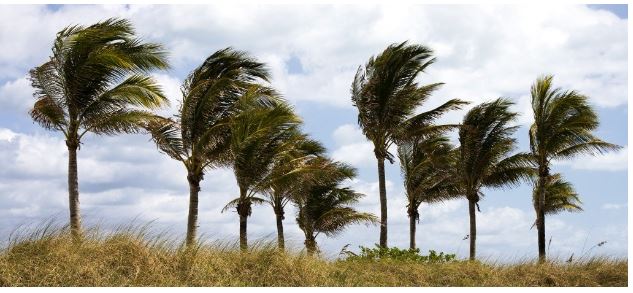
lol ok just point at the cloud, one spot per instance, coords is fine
(16, 95)
(613, 161)
(613, 206)
(313, 51)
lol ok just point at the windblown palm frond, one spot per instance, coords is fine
(96, 81)
(200, 135)
(386, 94)
(559, 196)
(563, 128)
(323, 205)
(484, 156)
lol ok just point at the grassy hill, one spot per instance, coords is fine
(50, 258)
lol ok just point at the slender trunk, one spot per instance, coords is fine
(473, 227)
(192, 220)
(243, 210)
(540, 217)
(73, 189)
(243, 239)
(311, 245)
(279, 214)
(383, 202)
(412, 223)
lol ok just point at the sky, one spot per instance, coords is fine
(313, 51)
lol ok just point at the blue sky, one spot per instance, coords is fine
(483, 52)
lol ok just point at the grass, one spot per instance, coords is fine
(131, 257)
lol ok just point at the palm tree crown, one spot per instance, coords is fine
(484, 158)
(562, 129)
(386, 95)
(427, 166)
(95, 82)
(323, 205)
(200, 134)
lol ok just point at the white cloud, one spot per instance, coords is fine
(613, 206)
(499, 51)
(16, 95)
(613, 161)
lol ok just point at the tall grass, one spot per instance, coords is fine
(135, 256)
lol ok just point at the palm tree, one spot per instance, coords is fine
(284, 178)
(323, 206)
(562, 129)
(199, 135)
(258, 136)
(427, 168)
(96, 82)
(559, 196)
(483, 160)
(386, 95)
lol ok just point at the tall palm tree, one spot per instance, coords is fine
(562, 129)
(386, 95)
(284, 178)
(323, 205)
(559, 196)
(258, 136)
(484, 158)
(96, 82)
(427, 169)
(199, 135)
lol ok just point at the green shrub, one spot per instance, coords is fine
(395, 253)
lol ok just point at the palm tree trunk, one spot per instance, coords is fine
(540, 217)
(412, 227)
(73, 189)
(243, 209)
(383, 202)
(192, 220)
(310, 245)
(473, 228)
(279, 214)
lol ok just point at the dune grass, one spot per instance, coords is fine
(131, 257)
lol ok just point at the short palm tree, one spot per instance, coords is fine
(258, 136)
(386, 95)
(96, 82)
(562, 129)
(484, 158)
(427, 169)
(284, 178)
(323, 205)
(560, 196)
(199, 135)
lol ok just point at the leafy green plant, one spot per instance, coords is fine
(395, 253)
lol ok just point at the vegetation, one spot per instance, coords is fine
(96, 82)
(135, 259)
(386, 94)
(484, 156)
(562, 129)
(427, 166)
(258, 136)
(288, 174)
(394, 253)
(199, 135)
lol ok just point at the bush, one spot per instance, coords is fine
(394, 253)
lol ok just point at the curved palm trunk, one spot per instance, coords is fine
(243, 208)
(540, 217)
(192, 219)
(73, 189)
(383, 202)
(279, 214)
(473, 228)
